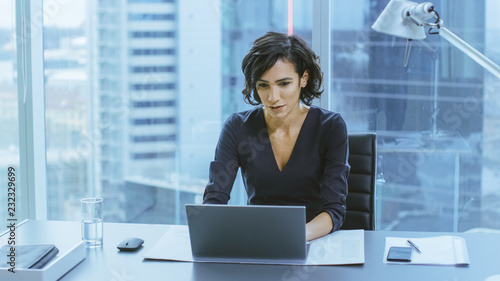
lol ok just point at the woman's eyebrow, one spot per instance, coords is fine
(277, 81)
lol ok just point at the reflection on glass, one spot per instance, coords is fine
(433, 118)
(135, 95)
(66, 106)
(136, 92)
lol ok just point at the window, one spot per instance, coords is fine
(152, 34)
(70, 139)
(152, 52)
(153, 138)
(136, 95)
(151, 1)
(139, 107)
(151, 121)
(110, 105)
(161, 103)
(138, 69)
(153, 155)
(9, 124)
(433, 118)
(150, 17)
(161, 86)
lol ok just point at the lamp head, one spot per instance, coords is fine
(405, 19)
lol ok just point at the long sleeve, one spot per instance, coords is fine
(336, 171)
(223, 169)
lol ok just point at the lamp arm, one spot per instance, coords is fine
(414, 17)
(470, 51)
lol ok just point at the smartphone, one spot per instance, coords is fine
(400, 254)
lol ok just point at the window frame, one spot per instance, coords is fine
(31, 105)
(321, 41)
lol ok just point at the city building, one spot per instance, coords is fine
(136, 92)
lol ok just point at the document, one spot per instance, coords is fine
(338, 248)
(437, 250)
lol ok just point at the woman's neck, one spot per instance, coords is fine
(291, 121)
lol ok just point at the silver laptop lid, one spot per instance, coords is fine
(247, 233)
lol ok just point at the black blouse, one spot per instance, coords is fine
(315, 176)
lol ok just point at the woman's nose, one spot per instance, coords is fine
(273, 94)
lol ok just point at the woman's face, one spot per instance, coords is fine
(279, 89)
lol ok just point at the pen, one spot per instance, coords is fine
(413, 245)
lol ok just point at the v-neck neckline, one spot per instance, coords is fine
(273, 156)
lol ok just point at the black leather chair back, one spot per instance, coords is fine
(361, 183)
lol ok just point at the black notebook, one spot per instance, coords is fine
(27, 256)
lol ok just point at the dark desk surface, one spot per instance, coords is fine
(108, 263)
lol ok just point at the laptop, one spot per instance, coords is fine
(248, 234)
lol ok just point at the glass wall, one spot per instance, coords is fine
(435, 118)
(69, 143)
(135, 103)
(9, 124)
(136, 92)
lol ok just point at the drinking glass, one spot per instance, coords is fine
(92, 222)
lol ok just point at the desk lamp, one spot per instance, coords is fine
(407, 19)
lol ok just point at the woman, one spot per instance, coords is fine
(289, 152)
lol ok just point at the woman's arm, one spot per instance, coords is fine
(334, 179)
(223, 169)
(321, 225)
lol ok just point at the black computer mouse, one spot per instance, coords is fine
(130, 244)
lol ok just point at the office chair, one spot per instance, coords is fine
(361, 182)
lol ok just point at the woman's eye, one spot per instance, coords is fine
(262, 85)
(284, 83)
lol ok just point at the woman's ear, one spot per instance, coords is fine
(304, 79)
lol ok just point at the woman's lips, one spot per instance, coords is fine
(276, 108)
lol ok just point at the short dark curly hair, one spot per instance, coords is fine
(264, 53)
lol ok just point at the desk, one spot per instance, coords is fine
(108, 263)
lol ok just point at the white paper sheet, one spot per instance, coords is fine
(340, 247)
(438, 250)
